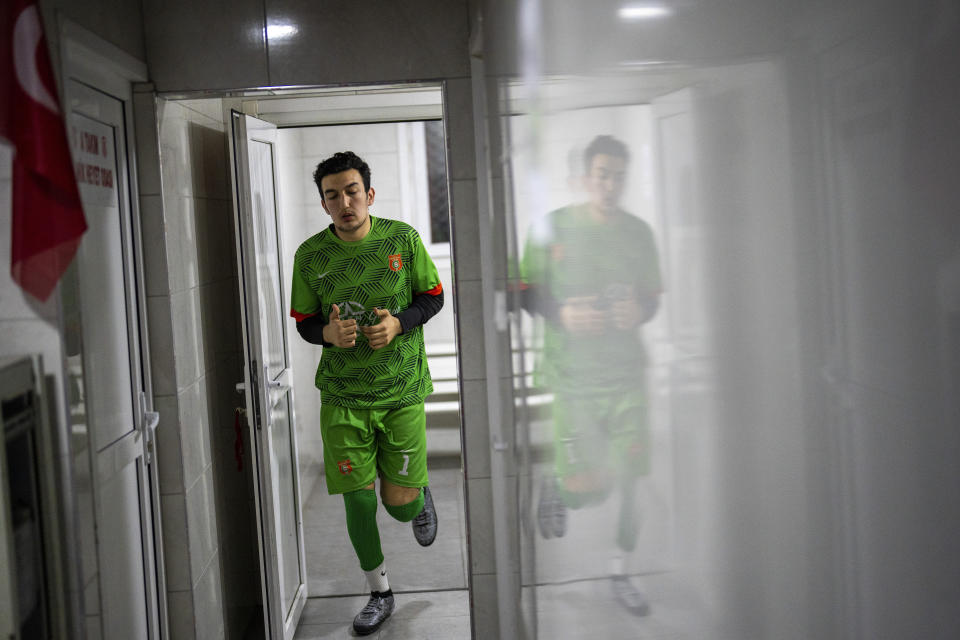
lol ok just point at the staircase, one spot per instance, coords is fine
(443, 405)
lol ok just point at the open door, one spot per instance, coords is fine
(267, 375)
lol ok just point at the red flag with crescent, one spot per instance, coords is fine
(47, 217)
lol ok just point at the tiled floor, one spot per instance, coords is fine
(569, 591)
(430, 583)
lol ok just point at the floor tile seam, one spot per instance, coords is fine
(572, 581)
(395, 592)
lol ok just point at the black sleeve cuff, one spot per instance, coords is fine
(311, 330)
(423, 307)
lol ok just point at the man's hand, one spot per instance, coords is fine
(628, 314)
(382, 333)
(580, 315)
(340, 333)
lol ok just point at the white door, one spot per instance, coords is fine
(111, 429)
(267, 375)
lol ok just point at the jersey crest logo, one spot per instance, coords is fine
(345, 466)
(395, 262)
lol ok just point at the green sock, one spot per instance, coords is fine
(406, 512)
(361, 506)
(629, 525)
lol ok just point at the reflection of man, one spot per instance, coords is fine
(363, 287)
(591, 270)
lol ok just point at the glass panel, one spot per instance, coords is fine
(104, 373)
(80, 440)
(282, 462)
(270, 304)
(587, 237)
(436, 149)
(19, 426)
(124, 593)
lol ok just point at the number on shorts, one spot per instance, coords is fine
(406, 463)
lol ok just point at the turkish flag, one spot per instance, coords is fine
(47, 215)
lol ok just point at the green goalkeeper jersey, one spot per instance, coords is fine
(570, 255)
(383, 270)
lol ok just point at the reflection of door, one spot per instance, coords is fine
(111, 430)
(267, 376)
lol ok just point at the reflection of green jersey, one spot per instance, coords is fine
(385, 269)
(571, 255)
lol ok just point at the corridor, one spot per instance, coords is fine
(697, 370)
(429, 583)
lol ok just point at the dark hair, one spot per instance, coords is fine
(342, 161)
(606, 145)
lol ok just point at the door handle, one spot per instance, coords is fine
(152, 419)
(149, 420)
(277, 385)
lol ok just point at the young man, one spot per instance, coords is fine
(363, 288)
(591, 271)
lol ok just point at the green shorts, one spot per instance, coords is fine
(601, 432)
(359, 444)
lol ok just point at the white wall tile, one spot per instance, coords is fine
(169, 457)
(91, 596)
(466, 234)
(476, 428)
(175, 157)
(176, 550)
(208, 602)
(291, 174)
(181, 222)
(172, 220)
(187, 336)
(213, 226)
(480, 523)
(485, 619)
(93, 626)
(322, 142)
(470, 330)
(209, 112)
(155, 266)
(219, 310)
(384, 173)
(201, 524)
(195, 425)
(162, 361)
(182, 618)
(459, 129)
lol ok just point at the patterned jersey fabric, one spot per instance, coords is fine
(385, 269)
(569, 255)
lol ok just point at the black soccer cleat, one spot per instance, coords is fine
(376, 611)
(551, 510)
(629, 596)
(425, 523)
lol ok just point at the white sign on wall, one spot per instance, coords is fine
(94, 160)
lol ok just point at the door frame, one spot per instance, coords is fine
(91, 60)
(304, 106)
(258, 388)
